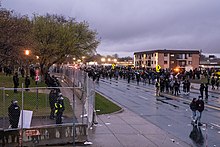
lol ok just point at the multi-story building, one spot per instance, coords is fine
(167, 58)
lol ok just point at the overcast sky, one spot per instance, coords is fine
(127, 26)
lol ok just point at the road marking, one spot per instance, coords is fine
(216, 125)
(143, 97)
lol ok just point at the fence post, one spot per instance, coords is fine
(73, 80)
(4, 107)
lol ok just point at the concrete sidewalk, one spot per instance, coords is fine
(127, 129)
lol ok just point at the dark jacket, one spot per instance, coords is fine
(14, 114)
(200, 105)
(193, 105)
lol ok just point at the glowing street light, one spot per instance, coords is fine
(115, 60)
(109, 59)
(37, 57)
(27, 52)
(102, 59)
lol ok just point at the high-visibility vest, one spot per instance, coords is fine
(58, 107)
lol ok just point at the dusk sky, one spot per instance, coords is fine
(127, 26)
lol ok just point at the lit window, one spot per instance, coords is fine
(172, 55)
(190, 62)
(172, 62)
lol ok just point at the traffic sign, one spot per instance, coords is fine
(158, 67)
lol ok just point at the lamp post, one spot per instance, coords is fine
(27, 53)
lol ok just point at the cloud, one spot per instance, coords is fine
(127, 26)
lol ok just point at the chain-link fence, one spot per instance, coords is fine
(37, 104)
(85, 90)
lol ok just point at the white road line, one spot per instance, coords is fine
(142, 97)
(216, 125)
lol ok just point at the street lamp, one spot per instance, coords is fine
(102, 59)
(27, 53)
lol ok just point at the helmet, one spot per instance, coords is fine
(14, 101)
(60, 94)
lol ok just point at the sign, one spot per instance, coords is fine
(36, 78)
(32, 132)
(158, 68)
(113, 66)
(27, 117)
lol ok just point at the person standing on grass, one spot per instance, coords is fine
(16, 82)
(27, 83)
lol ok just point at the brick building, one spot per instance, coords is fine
(168, 58)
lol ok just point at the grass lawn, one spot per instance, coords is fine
(104, 105)
(7, 81)
(40, 106)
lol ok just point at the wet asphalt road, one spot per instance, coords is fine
(171, 114)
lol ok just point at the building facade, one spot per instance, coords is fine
(167, 59)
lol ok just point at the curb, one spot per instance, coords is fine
(119, 111)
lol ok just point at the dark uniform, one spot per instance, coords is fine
(14, 114)
(16, 82)
(27, 83)
(59, 108)
(52, 100)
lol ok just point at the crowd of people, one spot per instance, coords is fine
(165, 81)
(168, 81)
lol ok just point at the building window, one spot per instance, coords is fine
(155, 62)
(182, 63)
(152, 55)
(152, 62)
(172, 62)
(155, 55)
(165, 62)
(165, 54)
(190, 62)
(190, 55)
(172, 55)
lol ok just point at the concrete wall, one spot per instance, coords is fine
(46, 135)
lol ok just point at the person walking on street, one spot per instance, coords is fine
(200, 108)
(206, 91)
(59, 108)
(14, 114)
(16, 82)
(187, 87)
(213, 83)
(202, 87)
(193, 107)
(217, 82)
(157, 86)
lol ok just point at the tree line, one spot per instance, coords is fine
(52, 38)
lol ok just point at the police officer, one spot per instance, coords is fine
(14, 114)
(59, 108)
(16, 82)
(52, 101)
